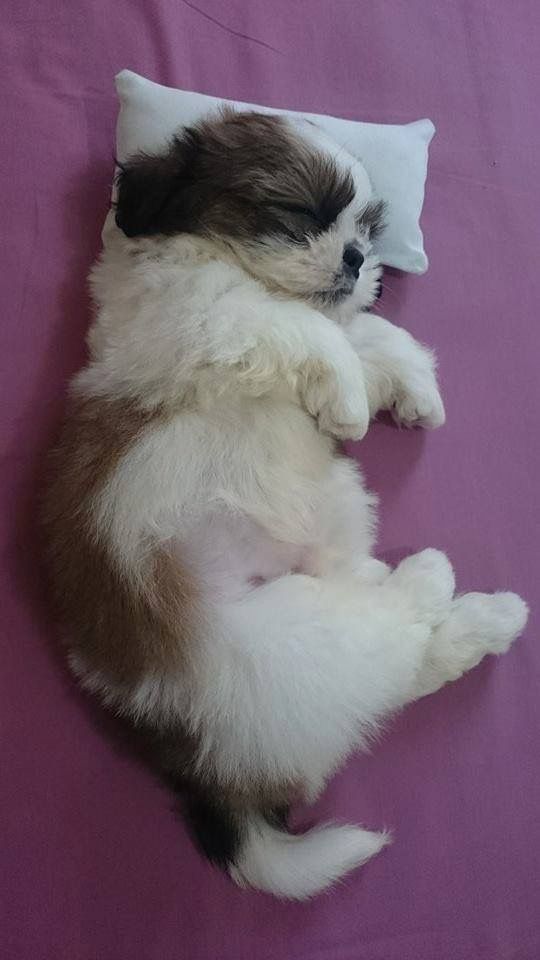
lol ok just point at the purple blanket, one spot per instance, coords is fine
(95, 866)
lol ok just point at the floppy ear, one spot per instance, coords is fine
(152, 190)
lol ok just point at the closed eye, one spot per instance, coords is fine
(372, 218)
(298, 211)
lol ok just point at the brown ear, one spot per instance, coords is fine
(153, 191)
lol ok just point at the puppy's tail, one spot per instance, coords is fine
(258, 852)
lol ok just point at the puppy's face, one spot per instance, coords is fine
(292, 207)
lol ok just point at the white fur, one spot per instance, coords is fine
(299, 867)
(307, 641)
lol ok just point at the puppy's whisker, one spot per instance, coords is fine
(389, 290)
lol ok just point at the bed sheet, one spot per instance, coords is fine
(95, 865)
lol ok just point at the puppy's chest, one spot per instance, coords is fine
(264, 457)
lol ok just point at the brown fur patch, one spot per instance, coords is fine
(125, 629)
(173, 749)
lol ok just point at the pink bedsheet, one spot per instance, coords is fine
(94, 864)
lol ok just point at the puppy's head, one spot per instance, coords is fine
(295, 209)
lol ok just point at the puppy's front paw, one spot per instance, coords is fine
(346, 417)
(335, 394)
(419, 404)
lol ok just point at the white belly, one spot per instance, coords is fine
(246, 494)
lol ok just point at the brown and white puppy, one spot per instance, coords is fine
(209, 546)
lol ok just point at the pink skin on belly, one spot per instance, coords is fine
(232, 554)
(309, 561)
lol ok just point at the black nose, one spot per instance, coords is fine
(353, 259)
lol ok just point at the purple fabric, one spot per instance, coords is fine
(94, 864)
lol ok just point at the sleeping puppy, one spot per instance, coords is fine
(210, 547)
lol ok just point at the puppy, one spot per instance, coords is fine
(210, 547)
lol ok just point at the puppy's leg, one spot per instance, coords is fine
(302, 669)
(399, 372)
(478, 624)
(298, 672)
(290, 344)
(464, 629)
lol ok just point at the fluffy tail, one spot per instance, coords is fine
(258, 852)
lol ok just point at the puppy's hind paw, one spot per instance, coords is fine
(427, 579)
(490, 621)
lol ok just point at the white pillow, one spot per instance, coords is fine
(394, 156)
